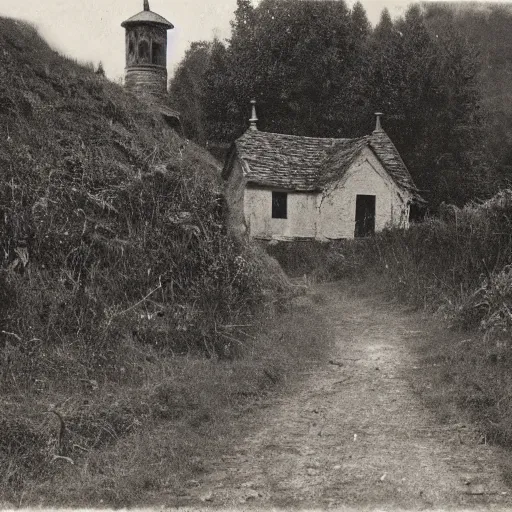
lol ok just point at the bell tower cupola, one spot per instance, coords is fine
(146, 54)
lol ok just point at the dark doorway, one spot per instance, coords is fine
(365, 216)
(279, 205)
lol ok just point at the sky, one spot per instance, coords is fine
(90, 31)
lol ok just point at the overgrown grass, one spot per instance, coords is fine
(141, 442)
(459, 267)
(317, 261)
(127, 313)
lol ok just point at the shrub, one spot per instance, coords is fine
(319, 261)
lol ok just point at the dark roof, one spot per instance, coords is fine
(285, 161)
(147, 18)
(311, 163)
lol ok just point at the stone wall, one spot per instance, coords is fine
(147, 80)
(146, 66)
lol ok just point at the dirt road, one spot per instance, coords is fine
(353, 433)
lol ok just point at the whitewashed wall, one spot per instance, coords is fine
(366, 176)
(302, 214)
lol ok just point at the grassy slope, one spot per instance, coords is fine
(125, 308)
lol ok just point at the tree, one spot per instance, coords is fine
(220, 108)
(187, 89)
(243, 23)
(295, 73)
(353, 99)
(318, 69)
(360, 27)
(427, 80)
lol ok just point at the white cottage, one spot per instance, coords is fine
(286, 187)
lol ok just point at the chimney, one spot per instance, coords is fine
(378, 126)
(254, 119)
(146, 5)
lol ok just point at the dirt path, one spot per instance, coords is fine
(353, 433)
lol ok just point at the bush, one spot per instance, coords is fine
(319, 261)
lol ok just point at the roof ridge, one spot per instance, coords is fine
(381, 134)
(147, 17)
(260, 132)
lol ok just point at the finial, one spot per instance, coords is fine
(378, 126)
(146, 5)
(253, 119)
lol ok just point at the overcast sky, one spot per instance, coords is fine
(89, 30)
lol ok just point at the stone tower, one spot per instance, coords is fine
(146, 54)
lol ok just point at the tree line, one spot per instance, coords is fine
(321, 69)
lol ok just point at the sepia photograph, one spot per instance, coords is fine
(255, 255)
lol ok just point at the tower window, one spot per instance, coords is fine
(279, 205)
(158, 54)
(144, 52)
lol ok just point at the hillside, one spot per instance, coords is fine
(122, 297)
(101, 203)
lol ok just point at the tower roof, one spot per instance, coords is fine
(147, 17)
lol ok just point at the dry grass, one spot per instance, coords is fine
(136, 444)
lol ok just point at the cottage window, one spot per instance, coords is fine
(279, 205)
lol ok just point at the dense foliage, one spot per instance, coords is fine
(319, 69)
(487, 28)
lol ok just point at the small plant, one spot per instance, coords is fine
(99, 70)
